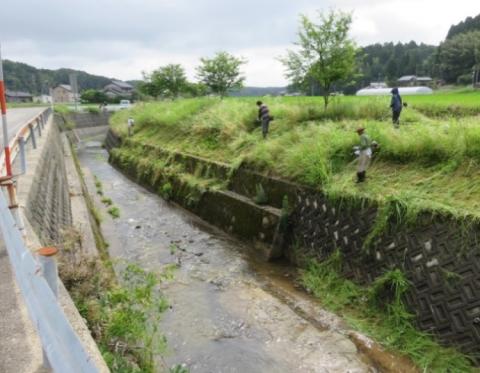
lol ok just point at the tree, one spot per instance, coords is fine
(93, 96)
(457, 56)
(221, 73)
(196, 89)
(166, 81)
(326, 53)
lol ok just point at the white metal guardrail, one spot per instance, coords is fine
(62, 348)
(29, 132)
(60, 343)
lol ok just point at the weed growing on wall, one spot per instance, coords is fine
(114, 212)
(378, 311)
(261, 197)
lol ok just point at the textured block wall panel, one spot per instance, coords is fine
(48, 205)
(440, 257)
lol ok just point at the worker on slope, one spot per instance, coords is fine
(130, 125)
(264, 117)
(364, 156)
(396, 105)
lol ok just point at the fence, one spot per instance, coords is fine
(62, 348)
(32, 129)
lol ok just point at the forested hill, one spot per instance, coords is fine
(470, 24)
(22, 77)
(390, 61)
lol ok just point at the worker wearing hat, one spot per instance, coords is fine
(364, 156)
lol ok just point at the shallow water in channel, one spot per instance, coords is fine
(229, 312)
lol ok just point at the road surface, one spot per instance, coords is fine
(17, 118)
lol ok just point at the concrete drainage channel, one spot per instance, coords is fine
(223, 316)
(229, 310)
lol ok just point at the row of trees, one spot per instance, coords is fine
(326, 59)
(217, 75)
(325, 55)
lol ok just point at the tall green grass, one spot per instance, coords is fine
(378, 311)
(313, 146)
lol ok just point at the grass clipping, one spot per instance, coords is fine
(378, 311)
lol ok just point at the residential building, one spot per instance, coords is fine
(18, 96)
(413, 81)
(62, 94)
(378, 85)
(118, 89)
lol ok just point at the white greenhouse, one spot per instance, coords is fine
(404, 91)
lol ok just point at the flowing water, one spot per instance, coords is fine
(229, 312)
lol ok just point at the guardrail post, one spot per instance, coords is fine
(39, 129)
(7, 182)
(46, 257)
(23, 158)
(32, 136)
(42, 120)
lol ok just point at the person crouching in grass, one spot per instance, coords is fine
(364, 156)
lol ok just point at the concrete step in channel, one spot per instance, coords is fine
(240, 216)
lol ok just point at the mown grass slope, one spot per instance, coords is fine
(432, 161)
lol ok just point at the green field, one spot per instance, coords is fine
(432, 161)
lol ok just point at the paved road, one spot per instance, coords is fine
(16, 118)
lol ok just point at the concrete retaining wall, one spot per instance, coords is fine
(46, 195)
(439, 255)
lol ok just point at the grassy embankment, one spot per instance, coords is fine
(432, 163)
(429, 163)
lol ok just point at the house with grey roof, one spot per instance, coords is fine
(118, 89)
(18, 96)
(62, 93)
(413, 81)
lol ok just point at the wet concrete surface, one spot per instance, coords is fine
(229, 312)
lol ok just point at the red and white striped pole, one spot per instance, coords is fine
(3, 105)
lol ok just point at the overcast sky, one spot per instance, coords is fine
(122, 38)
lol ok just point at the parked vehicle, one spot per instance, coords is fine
(124, 104)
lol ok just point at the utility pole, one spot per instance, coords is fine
(3, 104)
(74, 86)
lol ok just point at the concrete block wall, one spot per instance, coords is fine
(85, 120)
(48, 201)
(439, 255)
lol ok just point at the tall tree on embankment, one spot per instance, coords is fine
(221, 73)
(167, 81)
(326, 54)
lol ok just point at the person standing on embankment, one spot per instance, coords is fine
(263, 117)
(396, 105)
(364, 156)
